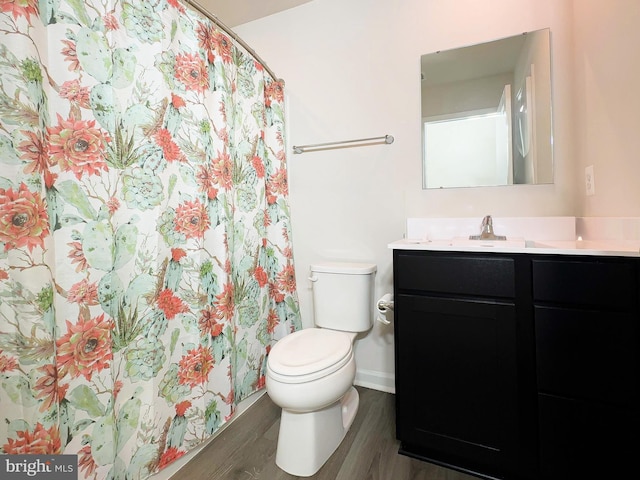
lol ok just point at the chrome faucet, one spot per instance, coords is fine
(486, 231)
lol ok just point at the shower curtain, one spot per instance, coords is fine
(145, 253)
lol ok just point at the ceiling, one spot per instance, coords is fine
(237, 12)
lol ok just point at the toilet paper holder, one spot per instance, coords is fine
(383, 306)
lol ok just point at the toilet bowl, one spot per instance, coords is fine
(315, 391)
(310, 373)
(310, 369)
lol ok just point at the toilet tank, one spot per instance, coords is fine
(343, 295)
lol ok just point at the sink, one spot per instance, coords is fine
(467, 242)
(513, 242)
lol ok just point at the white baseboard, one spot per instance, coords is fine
(385, 382)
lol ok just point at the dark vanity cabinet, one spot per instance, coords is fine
(588, 366)
(517, 366)
(460, 361)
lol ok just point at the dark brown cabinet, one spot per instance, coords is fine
(518, 366)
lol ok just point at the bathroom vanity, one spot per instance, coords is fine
(518, 363)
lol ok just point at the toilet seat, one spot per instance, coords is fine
(309, 354)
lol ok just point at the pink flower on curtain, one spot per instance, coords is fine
(266, 218)
(275, 293)
(70, 55)
(213, 41)
(35, 150)
(177, 101)
(273, 92)
(192, 72)
(23, 218)
(223, 170)
(273, 319)
(170, 148)
(208, 322)
(86, 347)
(77, 146)
(261, 276)
(192, 219)
(113, 204)
(258, 166)
(170, 455)
(20, 8)
(74, 92)
(7, 364)
(77, 256)
(177, 254)
(195, 366)
(49, 179)
(84, 293)
(205, 177)
(42, 441)
(287, 279)
(49, 388)
(117, 386)
(270, 194)
(224, 302)
(110, 22)
(182, 407)
(279, 182)
(177, 5)
(86, 463)
(170, 304)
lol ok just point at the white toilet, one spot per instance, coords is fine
(310, 373)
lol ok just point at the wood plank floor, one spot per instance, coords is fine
(246, 449)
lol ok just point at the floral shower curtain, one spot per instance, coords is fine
(145, 256)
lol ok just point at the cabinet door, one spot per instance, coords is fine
(456, 395)
(580, 439)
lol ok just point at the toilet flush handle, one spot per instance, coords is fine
(313, 279)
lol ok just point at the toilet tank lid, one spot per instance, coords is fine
(349, 268)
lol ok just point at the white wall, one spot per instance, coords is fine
(352, 70)
(607, 114)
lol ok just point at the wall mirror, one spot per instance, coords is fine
(486, 114)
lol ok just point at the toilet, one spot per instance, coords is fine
(310, 373)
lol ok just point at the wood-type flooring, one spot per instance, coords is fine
(246, 449)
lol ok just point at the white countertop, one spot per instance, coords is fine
(555, 247)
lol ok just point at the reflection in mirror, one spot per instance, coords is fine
(486, 114)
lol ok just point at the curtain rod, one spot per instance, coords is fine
(387, 139)
(233, 35)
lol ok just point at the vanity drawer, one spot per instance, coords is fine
(489, 275)
(604, 283)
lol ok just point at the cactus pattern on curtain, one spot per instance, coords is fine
(145, 254)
